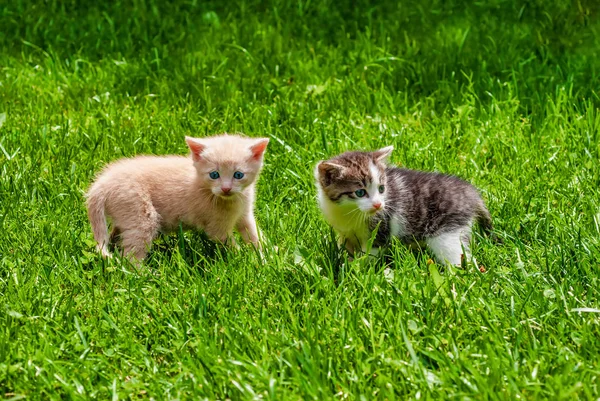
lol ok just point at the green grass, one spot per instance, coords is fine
(502, 93)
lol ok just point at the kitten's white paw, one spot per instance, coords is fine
(388, 274)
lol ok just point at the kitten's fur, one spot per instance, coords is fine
(436, 209)
(147, 194)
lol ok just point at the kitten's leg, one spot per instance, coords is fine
(220, 235)
(136, 244)
(246, 226)
(343, 241)
(373, 252)
(449, 247)
(137, 239)
(349, 248)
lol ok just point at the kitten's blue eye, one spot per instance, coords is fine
(238, 175)
(360, 193)
(381, 189)
(214, 175)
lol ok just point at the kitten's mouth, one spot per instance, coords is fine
(228, 195)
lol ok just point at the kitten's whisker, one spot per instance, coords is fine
(351, 211)
(358, 218)
(351, 217)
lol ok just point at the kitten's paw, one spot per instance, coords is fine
(388, 274)
(104, 252)
(226, 241)
(231, 242)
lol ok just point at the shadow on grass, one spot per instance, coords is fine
(334, 258)
(195, 249)
(198, 251)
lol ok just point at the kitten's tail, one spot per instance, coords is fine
(96, 213)
(485, 222)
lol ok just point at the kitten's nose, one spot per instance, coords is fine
(225, 189)
(376, 205)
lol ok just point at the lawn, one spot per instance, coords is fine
(503, 93)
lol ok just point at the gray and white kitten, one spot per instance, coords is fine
(359, 193)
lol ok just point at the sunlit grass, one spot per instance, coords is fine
(502, 94)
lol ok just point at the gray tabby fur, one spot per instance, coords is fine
(432, 208)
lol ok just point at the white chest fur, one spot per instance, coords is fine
(347, 221)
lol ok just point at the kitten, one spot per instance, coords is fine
(359, 193)
(212, 190)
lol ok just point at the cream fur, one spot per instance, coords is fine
(147, 194)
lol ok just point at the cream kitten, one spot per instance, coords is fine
(214, 190)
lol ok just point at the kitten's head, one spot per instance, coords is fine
(355, 179)
(227, 164)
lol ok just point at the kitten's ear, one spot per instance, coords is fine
(258, 149)
(382, 154)
(329, 167)
(327, 170)
(196, 147)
